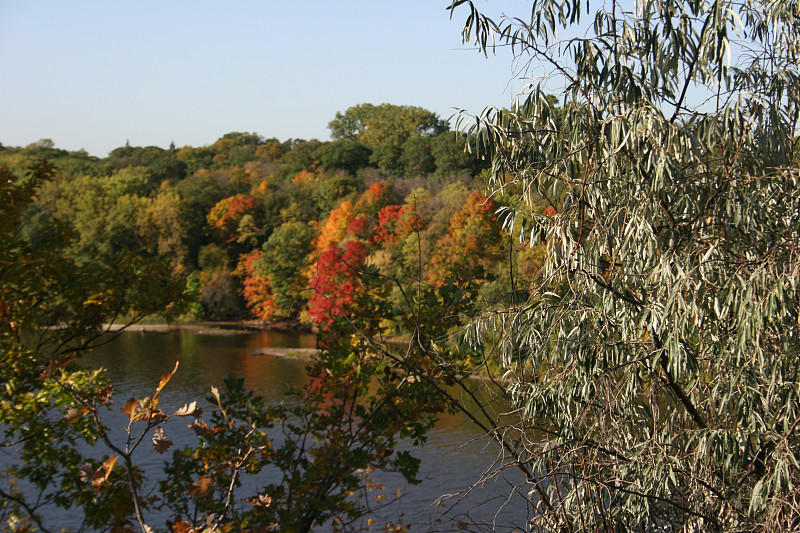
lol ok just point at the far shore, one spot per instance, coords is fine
(224, 327)
(228, 328)
(234, 327)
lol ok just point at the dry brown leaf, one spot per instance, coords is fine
(104, 395)
(154, 415)
(183, 527)
(201, 428)
(200, 488)
(165, 379)
(189, 410)
(263, 500)
(160, 441)
(99, 477)
(108, 464)
(130, 408)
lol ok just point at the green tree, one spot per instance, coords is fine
(451, 156)
(101, 211)
(384, 128)
(284, 261)
(331, 189)
(417, 158)
(235, 149)
(51, 310)
(658, 355)
(161, 164)
(162, 227)
(301, 155)
(344, 154)
(196, 158)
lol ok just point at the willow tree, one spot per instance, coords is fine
(658, 354)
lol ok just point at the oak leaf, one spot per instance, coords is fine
(130, 408)
(189, 410)
(160, 441)
(200, 488)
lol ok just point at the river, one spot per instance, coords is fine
(455, 456)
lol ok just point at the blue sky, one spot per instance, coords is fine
(95, 74)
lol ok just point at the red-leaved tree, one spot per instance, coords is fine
(336, 281)
(226, 216)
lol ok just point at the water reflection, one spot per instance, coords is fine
(455, 456)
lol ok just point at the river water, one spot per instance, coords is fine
(455, 456)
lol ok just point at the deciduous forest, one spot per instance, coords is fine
(616, 254)
(379, 235)
(278, 231)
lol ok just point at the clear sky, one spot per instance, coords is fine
(95, 74)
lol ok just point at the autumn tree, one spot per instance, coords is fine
(336, 281)
(473, 243)
(232, 218)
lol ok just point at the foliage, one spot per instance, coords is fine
(416, 158)
(336, 281)
(235, 149)
(658, 351)
(472, 244)
(344, 154)
(302, 155)
(451, 155)
(257, 290)
(330, 191)
(333, 229)
(384, 128)
(162, 227)
(51, 309)
(227, 215)
(283, 263)
(307, 463)
(396, 222)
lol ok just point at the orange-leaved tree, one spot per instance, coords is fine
(473, 243)
(227, 215)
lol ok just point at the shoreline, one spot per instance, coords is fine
(227, 327)
(240, 327)
(221, 327)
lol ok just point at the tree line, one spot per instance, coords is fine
(271, 230)
(375, 235)
(628, 266)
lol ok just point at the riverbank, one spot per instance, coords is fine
(229, 328)
(244, 327)
(223, 327)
